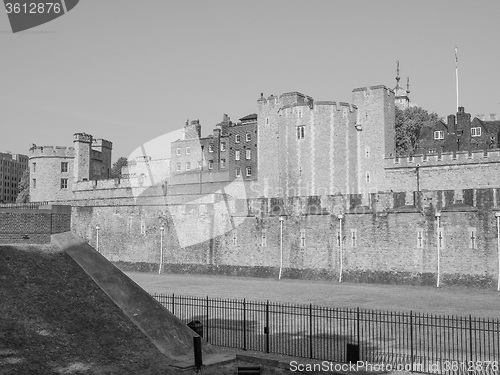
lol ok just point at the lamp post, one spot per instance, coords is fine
(162, 228)
(497, 215)
(282, 220)
(438, 238)
(340, 217)
(97, 227)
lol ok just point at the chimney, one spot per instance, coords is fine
(452, 124)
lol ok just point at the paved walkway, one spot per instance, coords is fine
(442, 301)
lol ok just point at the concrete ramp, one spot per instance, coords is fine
(171, 336)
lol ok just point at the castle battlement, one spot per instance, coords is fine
(445, 159)
(367, 90)
(82, 137)
(51, 151)
(102, 143)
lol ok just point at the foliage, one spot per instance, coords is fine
(24, 187)
(116, 170)
(409, 121)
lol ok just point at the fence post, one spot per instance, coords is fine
(310, 331)
(244, 324)
(411, 340)
(173, 304)
(206, 335)
(266, 329)
(470, 335)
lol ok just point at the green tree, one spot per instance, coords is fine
(409, 122)
(116, 170)
(24, 187)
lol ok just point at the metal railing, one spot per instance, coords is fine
(421, 342)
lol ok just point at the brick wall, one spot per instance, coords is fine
(33, 225)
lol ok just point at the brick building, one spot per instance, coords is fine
(54, 169)
(459, 133)
(229, 153)
(12, 167)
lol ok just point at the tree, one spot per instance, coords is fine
(24, 187)
(116, 170)
(409, 122)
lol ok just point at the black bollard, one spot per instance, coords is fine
(198, 362)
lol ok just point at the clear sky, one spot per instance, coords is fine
(129, 71)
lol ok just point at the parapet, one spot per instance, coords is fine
(102, 143)
(82, 137)
(51, 151)
(374, 88)
(445, 158)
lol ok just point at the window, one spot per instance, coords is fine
(235, 238)
(188, 150)
(188, 166)
(472, 238)
(368, 177)
(178, 167)
(264, 237)
(249, 171)
(420, 238)
(237, 138)
(178, 150)
(475, 132)
(238, 172)
(34, 183)
(439, 134)
(299, 113)
(223, 146)
(210, 164)
(34, 167)
(64, 183)
(354, 237)
(367, 152)
(302, 238)
(222, 163)
(237, 155)
(143, 226)
(64, 166)
(267, 120)
(300, 132)
(248, 154)
(210, 147)
(248, 137)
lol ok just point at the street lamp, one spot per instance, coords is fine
(282, 220)
(97, 227)
(438, 237)
(497, 215)
(340, 217)
(162, 228)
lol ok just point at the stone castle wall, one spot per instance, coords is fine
(389, 241)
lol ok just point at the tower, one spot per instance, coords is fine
(401, 98)
(82, 144)
(376, 135)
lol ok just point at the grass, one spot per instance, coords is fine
(55, 320)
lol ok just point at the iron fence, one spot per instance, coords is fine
(416, 341)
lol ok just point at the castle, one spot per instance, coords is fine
(320, 193)
(55, 169)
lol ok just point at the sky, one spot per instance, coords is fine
(131, 71)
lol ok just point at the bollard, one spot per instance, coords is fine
(198, 361)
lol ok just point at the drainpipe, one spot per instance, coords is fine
(162, 228)
(497, 215)
(97, 227)
(340, 217)
(438, 216)
(282, 219)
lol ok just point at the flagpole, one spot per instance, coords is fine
(456, 71)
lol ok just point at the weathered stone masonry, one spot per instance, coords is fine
(389, 241)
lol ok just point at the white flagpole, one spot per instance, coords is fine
(456, 71)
